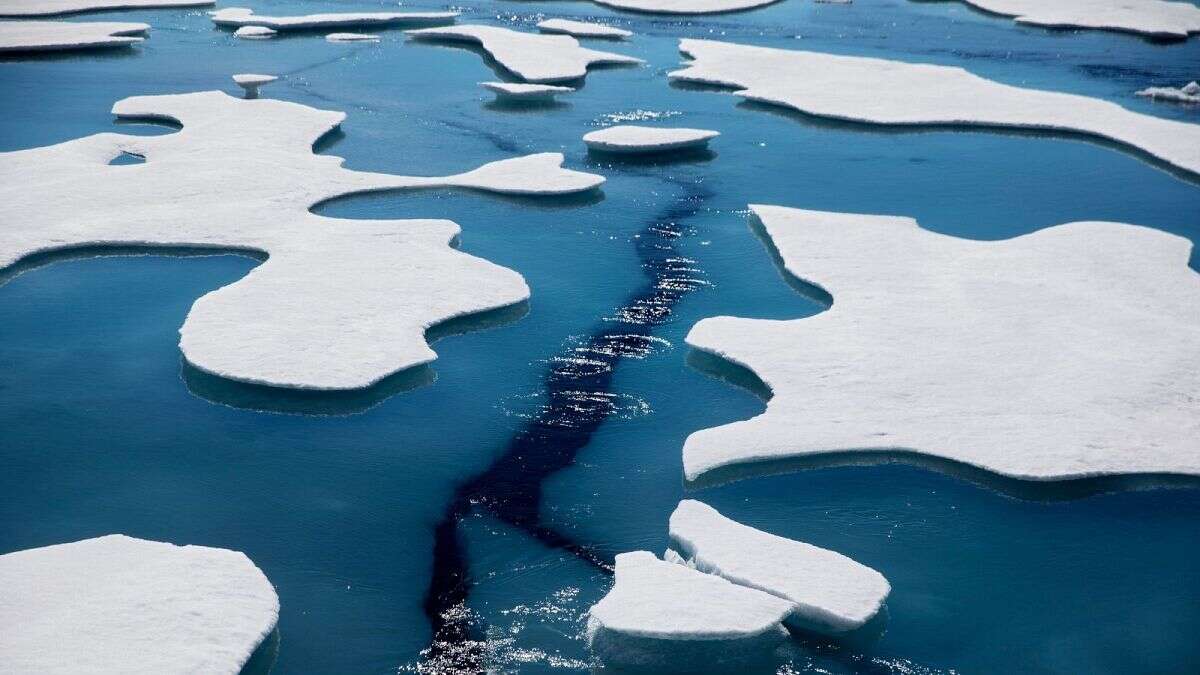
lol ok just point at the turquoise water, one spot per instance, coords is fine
(102, 429)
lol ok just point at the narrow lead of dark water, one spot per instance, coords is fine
(578, 399)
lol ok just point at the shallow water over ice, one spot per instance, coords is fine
(102, 429)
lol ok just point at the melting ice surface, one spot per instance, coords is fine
(100, 433)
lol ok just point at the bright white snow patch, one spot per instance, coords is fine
(241, 16)
(831, 592)
(634, 139)
(892, 92)
(513, 91)
(582, 29)
(685, 6)
(21, 36)
(255, 32)
(530, 56)
(53, 7)
(663, 615)
(351, 37)
(1066, 353)
(1188, 93)
(116, 604)
(340, 304)
(1152, 18)
(252, 81)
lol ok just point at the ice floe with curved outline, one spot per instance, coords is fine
(339, 304)
(234, 17)
(250, 82)
(583, 29)
(528, 93)
(1152, 18)
(685, 6)
(533, 57)
(831, 593)
(634, 139)
(1067, 353)
(116, 604)
(663, 617)
(351, 37)
(58, 7)
(1188, 93)
(58, 36)
(878, 91)
(255, 33)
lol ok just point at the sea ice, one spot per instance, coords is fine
(685, 6)
(42, 36)
(1188, 93)
(1152, 18)
(351, 37)
(53, 7)
(666, 617)
(340, 304)
(531, 56)
(255, 33)
(116, 604)
(1066, 353)
(252, 81)
(830, 592)
(582, 29)
(634, 139)
(240, 16)
(879, 91)
(513, 91)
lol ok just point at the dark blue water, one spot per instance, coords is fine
(100, 433)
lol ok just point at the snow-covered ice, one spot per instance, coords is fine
(1152, 18)
(684, 6)
(56, 7)
(29, 36)
(1066, 353)
(830, 592)
(232, 17)
(252, 81)
(351, 37)
(515, 91)
(666, 617)
(1188, 93)
(340, 304)
(255, 32)
(583, 29)
(634, 139)
(116, 604)
(531, 56)
(879, 91)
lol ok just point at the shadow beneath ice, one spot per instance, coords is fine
(604, 158)
(263, 659)
(45, 258)
(511, 105)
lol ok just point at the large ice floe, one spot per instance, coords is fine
(829, 592)
(684, 6)
(47, 36)
(583, 29)
(116, 604)
(664, 617)
(635, 139)
(236, 17)
(1188, 93)
(1162, 19)
(531, 56)
(1070, 352)
(56, 7)
(879, 91)
(340, 304)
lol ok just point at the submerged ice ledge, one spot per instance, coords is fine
(879, 91)
(1066, 353)
(45, 36)
(116, 604)
(339, 304)
(1152, 18)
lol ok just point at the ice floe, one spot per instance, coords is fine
(252, 81)
(116, 604)
(666, 617)
(1152, 18)
(232, 17)
(351, 37)
(46, 36)
(339, 304)
(685, 6)
(583, 29)
(879, 91)
(830, 592)
(514, 91)
(55, 7)
(255, 33)
(634, 139)
(1066, 353)
(1188, 93)
(531, 56)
